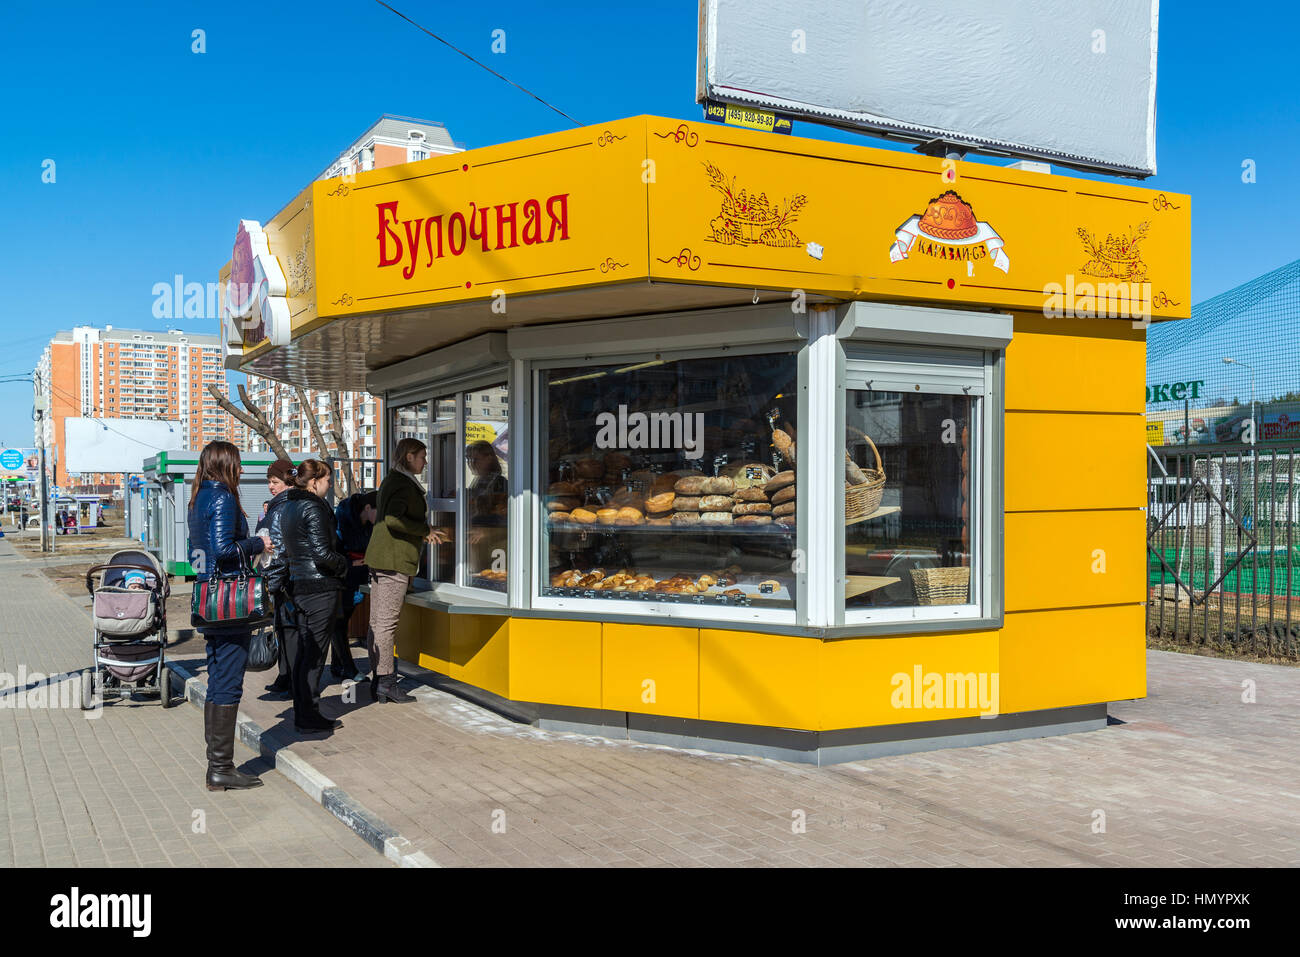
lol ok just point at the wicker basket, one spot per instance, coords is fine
(861, 500)
(941, 586)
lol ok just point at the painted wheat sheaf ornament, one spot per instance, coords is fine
(949, 230)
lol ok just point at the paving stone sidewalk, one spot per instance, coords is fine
(122, 789)
(1193, 776)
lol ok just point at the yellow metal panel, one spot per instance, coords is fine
(1069, 559)
(754, 678)
(423, 637)
(555, 662)
(480, 652)
(542, 214)
(651, 669)
(1051, 659)
(1075, 365)
(1074, 461)
(736, 207)
(877, 681)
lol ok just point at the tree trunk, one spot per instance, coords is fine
(346, 468)
(308, 412)
(253, 418)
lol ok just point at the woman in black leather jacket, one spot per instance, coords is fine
(316, 568)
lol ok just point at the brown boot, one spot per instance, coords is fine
(386, 689)
(219, 727)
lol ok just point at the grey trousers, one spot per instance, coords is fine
(387, 594)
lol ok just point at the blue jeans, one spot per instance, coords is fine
(227, 658)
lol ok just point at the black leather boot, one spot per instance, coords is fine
(386, 689)
(219, 724)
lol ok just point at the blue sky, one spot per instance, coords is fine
(160, 151)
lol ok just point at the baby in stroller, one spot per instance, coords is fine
(129, 608)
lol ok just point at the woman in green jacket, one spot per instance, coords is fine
(393, 555)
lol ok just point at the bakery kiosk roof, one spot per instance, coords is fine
(650, 214)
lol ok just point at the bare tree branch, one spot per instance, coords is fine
(309, 413)
(346, 472)
(253, 418)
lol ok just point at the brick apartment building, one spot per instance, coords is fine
(392, 140)
(132, 374)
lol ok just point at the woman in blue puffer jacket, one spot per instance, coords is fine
(219, 544)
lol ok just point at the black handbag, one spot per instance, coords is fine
(263, 650)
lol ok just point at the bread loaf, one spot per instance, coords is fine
(563, 503)
(664, 520)
(686, 503)
(752, 494)
(716, 503)
(719, 485)
(785, 508)
(852, 474)
(715, 518)
(562, 488)
(779, 480)
(783, 495)
(751, 508)
(691, 485)
(629, 516)
(590, 468)
(753, 520)
(606, 516)
(583, 516)
(686, 518)
(784, 444)
(663, 502)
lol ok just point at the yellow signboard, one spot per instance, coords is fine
(731, 207)
(656, 199)
(1155, 433)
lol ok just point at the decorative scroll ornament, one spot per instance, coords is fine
(683, 134)
(685, 258)
(608, 137)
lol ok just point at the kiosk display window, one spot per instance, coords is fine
(670, 480)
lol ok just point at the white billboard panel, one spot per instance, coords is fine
(1068, 81)
(116, 445)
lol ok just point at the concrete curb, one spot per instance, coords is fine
(359, 819)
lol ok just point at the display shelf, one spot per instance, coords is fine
(855, 585)
(772, 529)
(878, 513)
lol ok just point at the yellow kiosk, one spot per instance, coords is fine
(802, 449)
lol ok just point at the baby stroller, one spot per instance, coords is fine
(129, 595)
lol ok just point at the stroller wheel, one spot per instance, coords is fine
(88, 689)
(165, 686)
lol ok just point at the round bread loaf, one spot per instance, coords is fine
(785, 508)
(559, 518)
(783, 495)
(606, 516)
(690, 485)
(753, 520)
(686, 503)
(664, 520)
(629, 516)
(751, 508)
(719, 485)
(663, 502)
(583, 516)
(779, 480)
(716, 503)
(563, 503)
(562, 488)
(686, 518)
(752, 494)
(715, 518)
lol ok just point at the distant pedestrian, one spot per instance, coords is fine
(219, 543)
(401, 530)
(316, 568)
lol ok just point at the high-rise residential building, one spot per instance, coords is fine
(132, 374)
(390, 141)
